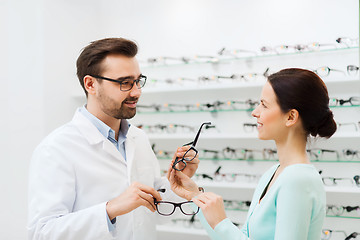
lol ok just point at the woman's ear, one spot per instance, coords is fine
(292, 117)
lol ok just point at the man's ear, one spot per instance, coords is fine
(292, 117)
(89, 84)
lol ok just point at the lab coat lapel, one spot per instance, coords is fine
(111, 149)
(130, 147)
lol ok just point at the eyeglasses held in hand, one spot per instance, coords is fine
(126, 83)
(167, 208)
(190, 154)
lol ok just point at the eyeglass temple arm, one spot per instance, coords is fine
(198, 133)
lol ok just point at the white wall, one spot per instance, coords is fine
(40, 41)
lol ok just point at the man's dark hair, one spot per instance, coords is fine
(91, 57)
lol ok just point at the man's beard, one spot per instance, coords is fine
(116, 110)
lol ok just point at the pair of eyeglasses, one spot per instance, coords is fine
(249, 127)
(236, 205)
(319, 153)
(248, 104)
(232, 177)
(242, 153)
(126, 83)
(339, 210)
(333, 181)
(167, 208)
(235, 52)
(246, 77)
(152, 107)
(353, 101)
(327, 233)
(180, 163)
(325, 71)
(347, 41)
(169, 128)
(352, 70)
(348, 126)
(350, 154)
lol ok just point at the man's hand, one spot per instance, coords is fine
(136, 195)
(191, 166)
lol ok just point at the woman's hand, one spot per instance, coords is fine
(181, 184)
(212, 206)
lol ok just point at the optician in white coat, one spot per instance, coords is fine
(76, 207)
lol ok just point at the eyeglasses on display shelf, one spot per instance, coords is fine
(232, 177)
(167, 208)
(350, 154)
(206, 59)
(247, 105)
(337, 210)
(348, 126)
(180, 163)
(236, 52)
(236, 205)
(249, 127)
(168, 129)
(348, 42)
(126, 83)
(321, 154)
(352, 70)
(325, 71)
(353, 101)
(333, 181)
(328, 233)
(178, 107)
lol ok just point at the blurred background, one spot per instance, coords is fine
(41, 40)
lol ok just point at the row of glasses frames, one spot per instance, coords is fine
(174, 128)
(327, 234)
(338, 210)
(315, 154)
(341, 181)
(217, 176)
(226, 53)
(228, 105)
(323, 71)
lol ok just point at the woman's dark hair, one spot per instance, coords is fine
(91, 57)
(304, 91)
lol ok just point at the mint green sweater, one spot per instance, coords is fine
(293, 208)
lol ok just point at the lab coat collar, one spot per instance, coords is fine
(90, 132)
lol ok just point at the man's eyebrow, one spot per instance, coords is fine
(127, 78)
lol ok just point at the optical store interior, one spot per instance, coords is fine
(205, 61)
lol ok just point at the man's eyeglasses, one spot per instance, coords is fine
(190, 154)
(167, 208)
(126, 84)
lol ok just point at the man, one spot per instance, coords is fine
(96, 177)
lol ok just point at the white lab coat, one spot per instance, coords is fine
(75, 171)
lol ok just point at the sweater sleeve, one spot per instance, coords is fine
(225, 230)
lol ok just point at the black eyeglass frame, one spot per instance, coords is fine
(137, 81)
(192, 148)
(175, 206)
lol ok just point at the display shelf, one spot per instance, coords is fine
(220, 110)
(342, 189)
(240, 136)
(220, 59)
(347, 217)
(252, 186)
(265, 160)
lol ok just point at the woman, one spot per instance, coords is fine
(289, 201)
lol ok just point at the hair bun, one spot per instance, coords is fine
(326, 127)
